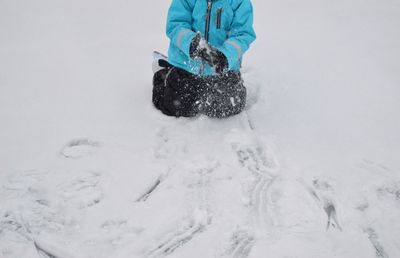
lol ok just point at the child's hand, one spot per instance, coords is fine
(199, 48)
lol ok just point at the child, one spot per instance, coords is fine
(207, 42)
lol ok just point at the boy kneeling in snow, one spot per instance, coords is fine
(207, 42)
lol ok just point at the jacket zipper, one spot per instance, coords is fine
(207, 30)
(208, 18)
(219, 14)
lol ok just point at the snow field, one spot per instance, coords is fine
(88, 168)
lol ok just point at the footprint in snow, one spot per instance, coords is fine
(119, 231)
(22, 183)
(240, 244)
(84, 191)
(28, 209)
(170, 145)
(255, 160)
(322, 192)
(390, 190)
(386, 183)
(11, 227)
(79, 148)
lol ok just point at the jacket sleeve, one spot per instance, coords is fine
(241, 34)
(179, 25)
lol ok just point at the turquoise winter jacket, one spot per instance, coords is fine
(230, 30)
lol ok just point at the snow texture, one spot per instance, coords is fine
(90, 169)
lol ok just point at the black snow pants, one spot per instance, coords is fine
(177, 92)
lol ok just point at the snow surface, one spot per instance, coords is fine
(88, 168)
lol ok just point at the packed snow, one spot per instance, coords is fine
(90, 169)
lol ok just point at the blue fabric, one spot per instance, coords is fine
(233, 37)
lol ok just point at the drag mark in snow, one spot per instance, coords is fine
(240, 245)
(176, 240)
(41, 251)
(250, 122)
(264, 171)
(259, 201)
(150, 190)
(374, 167)
(79, 148)
(49, 251)
(373, 237)
(200, 219)
(203, 184)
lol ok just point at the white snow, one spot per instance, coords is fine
(89, 169)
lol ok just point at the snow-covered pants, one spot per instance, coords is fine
(177, 92)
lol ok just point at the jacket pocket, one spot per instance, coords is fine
(219, 15)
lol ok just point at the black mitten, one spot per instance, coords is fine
(195, 48)
(220, 62)
(201, 49)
